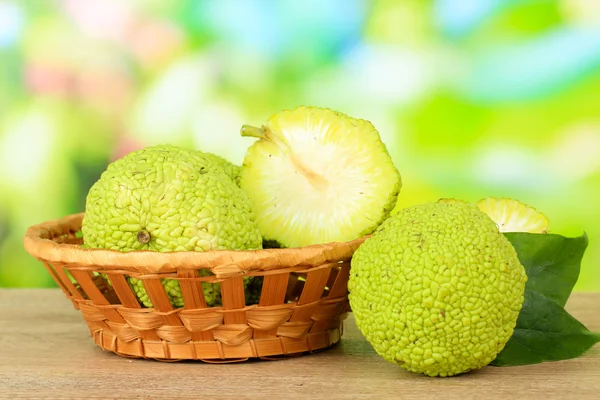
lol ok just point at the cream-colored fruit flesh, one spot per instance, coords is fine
(514, 216)
(316, 183)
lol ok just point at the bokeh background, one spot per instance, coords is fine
(473, 98)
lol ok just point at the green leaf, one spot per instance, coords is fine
(545, 332)
(552, 262)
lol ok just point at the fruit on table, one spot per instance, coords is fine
(437, 289)
(316, 176)
(164, 198)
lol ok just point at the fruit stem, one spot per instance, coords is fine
(318, 181)
(143, 237)
(253, 131)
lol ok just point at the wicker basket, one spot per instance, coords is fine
(303, 300)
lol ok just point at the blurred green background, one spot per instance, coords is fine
(473, 98)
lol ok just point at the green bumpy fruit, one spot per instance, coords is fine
(164, 198)
(437, 289)
(232, 170)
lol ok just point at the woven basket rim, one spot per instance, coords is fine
(37, 242)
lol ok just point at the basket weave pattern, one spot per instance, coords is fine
(303, 302)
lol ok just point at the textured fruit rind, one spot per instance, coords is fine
(348, 144)
(232, 170)
(180, 198)
(437, 289)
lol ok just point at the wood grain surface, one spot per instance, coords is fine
(46, 353)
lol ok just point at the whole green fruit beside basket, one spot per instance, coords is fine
(437, 289)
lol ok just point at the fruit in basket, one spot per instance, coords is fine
(513, 215)
(212, 294)
(315, 176)
(164, 198)
(437, 289)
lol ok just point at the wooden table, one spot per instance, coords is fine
(46, 352)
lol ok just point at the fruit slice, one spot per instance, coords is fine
(514, 216)
(317, 176)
